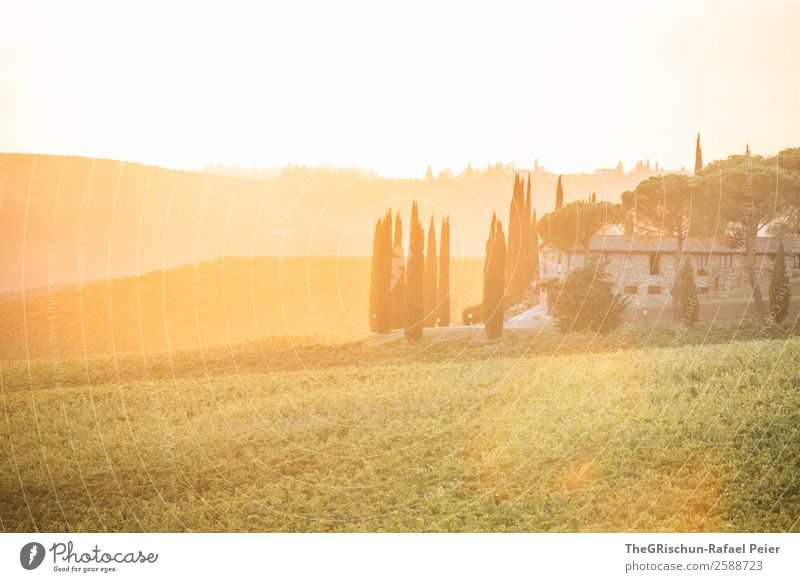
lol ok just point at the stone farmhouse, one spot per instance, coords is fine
(644, 266)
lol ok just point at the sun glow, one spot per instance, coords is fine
(578, 85)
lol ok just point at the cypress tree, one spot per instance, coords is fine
(398, 274)
(688, 300)
(380, 308)
(374, 276)
(415, 273)
(444, 273)
(385, 319)
(531, 242)
(513, 235)
(698, 157)
(384, 306)
(501, 250)
(559, 205)
(534, 248)
(494, 280)
(431, 297)
(516, 257)
(488, 274)
(780, 288)
(525, 251)
(559, 194)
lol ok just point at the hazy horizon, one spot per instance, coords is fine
(577, 86)
(268, 172)
(62, 216)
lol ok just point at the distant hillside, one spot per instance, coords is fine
(230, 300)
(68, 219)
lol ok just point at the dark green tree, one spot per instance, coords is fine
(780, 288)
(415, 275)
(527, 238)
(670, 206)
(398, 274)
(516, 256)
(586, 301)
(686, 294)
(698, 157)
(380, 305)
(494, 280)
(574, 224)
(444, 273)
(374, 281)
(431, 293)
(534, 246)
(752, 192)
(789, 159)
(559, 194)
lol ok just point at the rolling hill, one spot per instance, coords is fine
(219, 302)
(67, 220)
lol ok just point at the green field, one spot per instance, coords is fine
(456, 436)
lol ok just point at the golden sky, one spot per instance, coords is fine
(399, 86)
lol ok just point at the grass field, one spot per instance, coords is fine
(237, 300)
(227, 301)
(459, 436)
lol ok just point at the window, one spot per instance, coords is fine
(726, 261)
(631, 289)
(653, 290)
(702, 290)
(794, 261)
(702, 265)
(655, 263)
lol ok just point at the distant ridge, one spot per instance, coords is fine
(69, 219)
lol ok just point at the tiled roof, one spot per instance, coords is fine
(648, 244)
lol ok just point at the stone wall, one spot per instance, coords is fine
(632, 273)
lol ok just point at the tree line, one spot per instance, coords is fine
(729, 201)
(409, 294)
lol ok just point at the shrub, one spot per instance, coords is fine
(587, 301)
(688, 300)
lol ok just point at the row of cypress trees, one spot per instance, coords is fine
(415, 294)
(410, 294)
(509, 269)
(522, 256)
